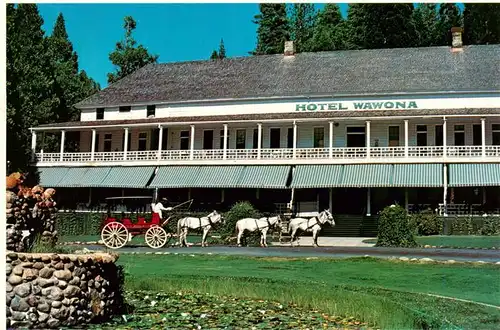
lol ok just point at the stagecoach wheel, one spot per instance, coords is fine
(114, 235)
(156, 237)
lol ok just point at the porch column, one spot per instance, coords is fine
(484, 195)
(330, 200)
(225, 143)
(369, 202)
(294, 139)
(259, 139)
(33, 145)
(222, 195)
(92, 146)
(191, 153)
(444, 137)
(406, 138)
(63, 137)
(406, 199)
(125, 144)
(483, 136)
(445, 189)
(368, 139)
(330, 141)
(160, 141)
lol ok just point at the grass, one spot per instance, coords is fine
(455, 241)
(388, 294)
(136, 240)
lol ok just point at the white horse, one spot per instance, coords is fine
(262, 225)
(204, 223)
(313, 225)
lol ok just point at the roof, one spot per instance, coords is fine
(407, 70)
(278, 116)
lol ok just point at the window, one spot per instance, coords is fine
(356, 136)
(275, 138)
(255, 141)
(143, 141)
(495, 134)
(129, 142)
(241, 136)
(393, 136)
(96, 144)
(438, 135)
(184, 137)
(319, 137)
(459, 135)
(100, 113)
(421, 135)
(289, 140)
(107, 142)
(208, 139)
(151, 111)
(476, 135)
(125, 108)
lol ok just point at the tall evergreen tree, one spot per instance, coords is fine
(222, 50)
(481, 23)
(449, 16)
(128, 57)
(425, 18)
(303, 17)
(273, 29)
(214, 55)
(329, 30)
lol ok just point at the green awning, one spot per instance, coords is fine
(175, 177)
(473, 175)
(418, 175)
(316, 176)
(270, 177)
(367, 175)
(128, 177)
(84, 177)
(51, 176)
(218, 177)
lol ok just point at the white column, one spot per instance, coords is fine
(406, 199)
(294, 139)
(125, 143)
(259, 139)
(160, 141)
(222, 195)
(330, 141)
(92, 146)
(225, 143)
(191, 140)
(368, 139)
(33, 145)
(484, 195)
(330, 200)
(445, 189)
(406, 138)
(369, 202)
(444, 137)
(63, 137)
(483, 137)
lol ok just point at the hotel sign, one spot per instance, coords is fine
(385, 105)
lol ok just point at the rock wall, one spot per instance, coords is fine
(54, 290)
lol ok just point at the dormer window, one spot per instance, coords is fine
(151, 111)
(125, 108)
(100, 113)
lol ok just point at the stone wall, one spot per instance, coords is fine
(54, 290)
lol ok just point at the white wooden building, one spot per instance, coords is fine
(350, 130)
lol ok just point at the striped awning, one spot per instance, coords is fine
(175, 177)
(473, 175)
(418, 175)
(84, 177)
(218, 177)
(270, 177)
(367, 175)
(128, 177)
(51, 176)
(316, 176)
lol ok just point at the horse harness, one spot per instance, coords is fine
(316, 223)
(260, 229)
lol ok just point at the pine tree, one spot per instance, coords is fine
(449, 16)
(425, 18)
(303, 17)
(214, 55)
(222, 50)
(329, 30)
(481, 23)
(128, 57)
(273, 29)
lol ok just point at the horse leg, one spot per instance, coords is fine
(292, 238)
(315, 238)
(184, 237)
(240, 233)
(204, 237)
(264, 237)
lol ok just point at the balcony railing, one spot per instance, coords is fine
(473, 152)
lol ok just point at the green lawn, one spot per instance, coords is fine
(388, 294)
(137, 240)
(455, 241)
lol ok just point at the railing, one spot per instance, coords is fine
(275, 154)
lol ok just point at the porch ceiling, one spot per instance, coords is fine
(270, 177)
(418, 175)
(474, 175)
(218, 176)
(316, 176)
(51, 176)
(175, 177)
(128, 177)
(367, 175)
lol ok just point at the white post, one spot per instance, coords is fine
(125, 144)
(444, 137)
(484, 195)
(294, 139)
(63, 137)
(445, 189)
(406, 138)
(483, 136)
(90, 197)
(368, 202)
(191, 153)
(330, 142)
(160, 141)
(225, 143)
(330, 200)
(368, 139)
(92, 147)
(406, 199)
(222, 195)
(257, 193)
(259, 139)
(33, 145)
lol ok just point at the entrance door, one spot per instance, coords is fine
(356, 137)
(438, 135)
(476, 135)
(208, 139)
(275, 138)
(393, 136)
(421, 135)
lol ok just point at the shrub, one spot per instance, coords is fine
(238, 211)
(394, 228)
(427, 223)
(490, 227)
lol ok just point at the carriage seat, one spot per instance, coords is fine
(127, 222)
(141, 220)
(155, 220)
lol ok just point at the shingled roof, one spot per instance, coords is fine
(398, 70)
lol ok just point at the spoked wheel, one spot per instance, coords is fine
(156, 237)
(114, 235)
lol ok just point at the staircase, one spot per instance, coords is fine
(351, 226)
